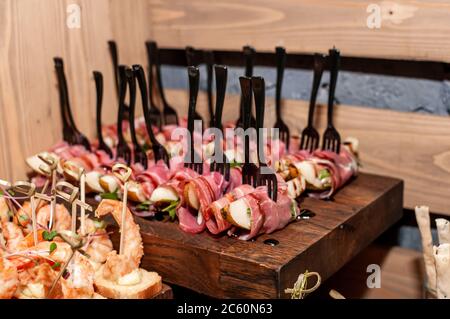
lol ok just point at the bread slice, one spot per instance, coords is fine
(150, 285)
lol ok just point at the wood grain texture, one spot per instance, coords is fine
(409, 29)
(224, 267)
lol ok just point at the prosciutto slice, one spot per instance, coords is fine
(216, 221)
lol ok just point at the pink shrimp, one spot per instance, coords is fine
(63, 220)
(99, 245)
(9, 278)
(80, 283)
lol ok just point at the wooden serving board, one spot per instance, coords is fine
(225, 267)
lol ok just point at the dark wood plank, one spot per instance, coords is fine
(227, 268)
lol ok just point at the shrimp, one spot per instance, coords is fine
(13, 236)
(132, 243)
(4, 210)
(98, 245)
(35, 282)
(80, 283)
(117, 266)
(60, 254)
(9, 278)
(63, 220)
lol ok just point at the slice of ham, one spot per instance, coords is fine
(216, 222)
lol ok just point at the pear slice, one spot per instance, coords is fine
(93, 182)
(308, 171)
(136, 193)
(296, 187)
(191, 197)
(109, 183)
(239, 214)
(164, 194)
(35, 163)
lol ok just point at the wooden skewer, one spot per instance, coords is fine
(70, 197)
(123, 172)
(123, 218)
(83, 199)
(33, 220)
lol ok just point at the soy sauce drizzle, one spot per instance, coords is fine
(305, 214)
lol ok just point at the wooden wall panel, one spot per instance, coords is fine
(410, 146)
(409, 29)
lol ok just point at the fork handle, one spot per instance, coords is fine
(132, 85)
(258, 85)
(67, 129)
(319, 66)
(98, 78)
(334, 56)
(221, 87)
(140, 75)
(122, 95)
(151, 67)
(246, 88)
(209, 59)
(194, 78)
(281, 64)
(115, 61)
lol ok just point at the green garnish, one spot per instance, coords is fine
(114, 196)
(235, 164)
(324, 173)
(144, 206)
(294, 209)
(49, 236)
(171, 209)
(56, 265)
(53, 247)
(249, 212)
(99, 224)
(146, 147)
(23, 218)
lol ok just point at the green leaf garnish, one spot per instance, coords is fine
(23, 218)
(144, 206)
(56, 265)
(99, 224)
(235, 164)
(249, 212)
(53, 246)
(49, 236)
(114, 196)
(324, 173)
(171, 209)
(293, 209)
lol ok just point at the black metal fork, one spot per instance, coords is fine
(310, 136)
(265, 175)
(123, 150)
(192, 59)
(221, 87)
(209, 60)
(98, 78)
(74, 136)
(159, 152)
(331, 137)
(154, 113)
(248, 53)
(114, 52)
(193, 161)
(279, 124)
(139, 155)
(249, 169)
(169, 114)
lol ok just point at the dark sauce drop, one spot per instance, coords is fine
(306, 214)
(271, 242)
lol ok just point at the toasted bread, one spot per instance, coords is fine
(150, 285)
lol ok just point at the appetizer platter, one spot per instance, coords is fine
(235, 210)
